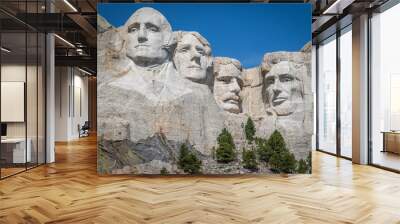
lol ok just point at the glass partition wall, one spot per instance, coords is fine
(385, 89)
(22, 77)
(327, 95)
(346, 95)
(334, 94)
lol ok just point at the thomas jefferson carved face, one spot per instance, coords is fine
(192, 56)
(227, 86)
(284, 89)
(148, 35)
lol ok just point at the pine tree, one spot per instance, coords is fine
(250, 130)
(276, 142)
(264, 151)
(249, 159)
(288, 162)
(281, 159)
(225, 152)
(309, 162)
(188, 161)
(164, 171)
(302, 166)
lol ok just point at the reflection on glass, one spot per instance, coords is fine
(346, 94)
(23, 90)
(14, 146)
(31, 101)
(327, 96)
(385, 84)
(41, 99)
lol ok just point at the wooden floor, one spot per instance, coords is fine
(386, 159)
(70, 191)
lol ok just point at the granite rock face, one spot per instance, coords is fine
(159, 89)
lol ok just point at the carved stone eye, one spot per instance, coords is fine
(184, 49)
(286, 78)
(200, 51)
(152, 27)
(225, 79)
(270, 81)
(132, 29)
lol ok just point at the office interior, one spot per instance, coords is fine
(48, 107)
(48, 80)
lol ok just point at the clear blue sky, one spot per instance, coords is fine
(242, 31)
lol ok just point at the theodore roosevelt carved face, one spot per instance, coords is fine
(227, 84)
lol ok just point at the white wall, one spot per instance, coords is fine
(33, 127)
(9, 73)
(70, 83)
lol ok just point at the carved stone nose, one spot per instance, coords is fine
(196, 59)
(142, 36)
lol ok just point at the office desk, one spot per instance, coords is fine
(13, 150)
(391, 142)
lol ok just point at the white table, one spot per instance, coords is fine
(19, 154)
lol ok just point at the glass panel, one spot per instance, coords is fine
(23, 88)
(346, 93)
(13, 90)
(385, 84)
(31, 100)
(41, 99)
(314, 79)
(327, 96)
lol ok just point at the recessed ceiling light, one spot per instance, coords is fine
(64, 40)
(86, 72)
(5, 50)
(70, 5)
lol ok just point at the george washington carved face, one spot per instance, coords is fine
(147, 36)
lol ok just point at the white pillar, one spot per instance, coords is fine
(50, 92)
(360, 90)
(50, 100)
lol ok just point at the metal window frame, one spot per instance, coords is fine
(339, 32)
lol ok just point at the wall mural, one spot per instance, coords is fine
(167, 105)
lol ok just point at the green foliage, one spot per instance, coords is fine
(164, 171)
(225, 152)
(302, 166)
(225, 137)
(309, 162)
(276, 142)
(264, 151)
(188, 161)
(288, 162)
(281, 160)
(249, 130)
(249, 159)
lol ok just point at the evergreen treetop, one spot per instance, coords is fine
(249, 130)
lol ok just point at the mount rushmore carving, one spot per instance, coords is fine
(160, 90)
